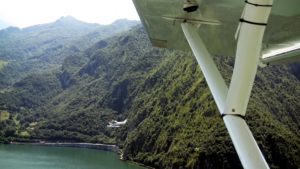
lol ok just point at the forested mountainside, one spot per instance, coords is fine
(173, 121)
(44, 47)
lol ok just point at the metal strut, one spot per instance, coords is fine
(232, 103)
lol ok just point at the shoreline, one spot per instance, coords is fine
(97, 146)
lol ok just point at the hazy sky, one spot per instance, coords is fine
(23, 13)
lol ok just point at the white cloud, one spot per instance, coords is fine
(24, 13)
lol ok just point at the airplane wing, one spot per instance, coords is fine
(219, 21)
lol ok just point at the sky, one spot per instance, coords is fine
(24, 13)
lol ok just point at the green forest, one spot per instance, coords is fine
(64, 81)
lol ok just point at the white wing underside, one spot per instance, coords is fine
(219, 22)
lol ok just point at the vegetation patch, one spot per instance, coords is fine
(24, 134)
(4, 115)
(33, 124)
(3, 64)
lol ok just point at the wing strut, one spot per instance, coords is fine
(233, 103)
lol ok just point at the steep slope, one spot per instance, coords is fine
(101, 89)
(94, 87)
(181, 127)
(172, 118)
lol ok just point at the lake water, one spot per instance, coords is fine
(39, 157)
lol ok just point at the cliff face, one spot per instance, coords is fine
(182, 127)
(173, 121)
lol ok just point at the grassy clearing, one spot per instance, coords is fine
(3, 64)
(24, 134)
(33, 124)
(4, 115)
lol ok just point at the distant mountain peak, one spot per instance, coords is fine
(68, 20)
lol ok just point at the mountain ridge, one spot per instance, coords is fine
(45, 46)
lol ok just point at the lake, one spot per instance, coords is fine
(40, 157)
